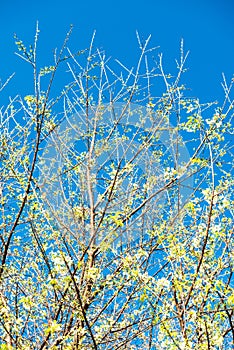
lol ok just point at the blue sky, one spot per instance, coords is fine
(206, 26)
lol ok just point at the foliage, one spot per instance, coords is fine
(112, 236)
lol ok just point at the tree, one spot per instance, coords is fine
(116, 209)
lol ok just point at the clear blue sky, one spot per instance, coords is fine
(207, 27)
